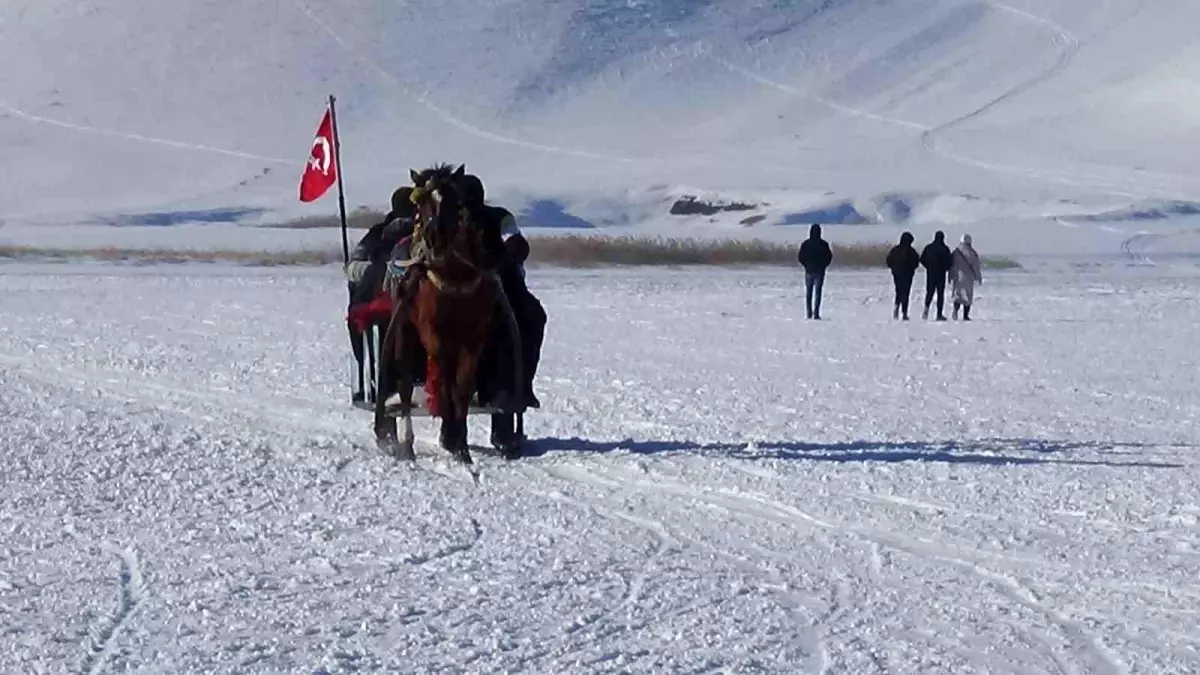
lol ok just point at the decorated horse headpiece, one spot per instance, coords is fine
(431, 187)
(442, 219)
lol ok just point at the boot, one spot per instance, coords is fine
(954, 313)
(966, 312)
(925, 314)
(896, 312)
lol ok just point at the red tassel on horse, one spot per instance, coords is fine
(433, 387)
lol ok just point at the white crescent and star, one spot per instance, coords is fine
(321, 162)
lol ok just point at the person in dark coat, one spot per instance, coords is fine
(816, 257)
(903, 261)
(936, 259)
(368, 263)
(507, 250)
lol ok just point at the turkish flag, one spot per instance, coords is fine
(321, 171)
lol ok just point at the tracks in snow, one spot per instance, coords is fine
(1107, 181)
(29, 117)
(131, 592)
(1135, 247)
(1069, 47)
(449, 550)
(1133, 244)
(208, 406)
(1085, 648)
(443, 114)
(1062, 36)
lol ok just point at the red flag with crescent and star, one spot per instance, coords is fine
(321, 171)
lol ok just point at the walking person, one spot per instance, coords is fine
(936, 258)
(903, 261)
(965, 272)
(816, 257)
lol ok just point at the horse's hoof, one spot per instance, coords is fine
(462, 456)
(405, 452)
(508, 445)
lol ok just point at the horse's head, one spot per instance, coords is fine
(436, 196)
(453, 245)
(442, 216)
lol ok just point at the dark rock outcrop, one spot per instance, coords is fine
(688, 205)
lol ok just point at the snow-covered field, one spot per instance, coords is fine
(717, 486)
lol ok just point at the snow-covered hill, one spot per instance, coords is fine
(899, 110)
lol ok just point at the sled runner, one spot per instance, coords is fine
(365, 379)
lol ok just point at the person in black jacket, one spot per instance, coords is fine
(937, 259)
(903, 261)
(368, 263)
(816, 256)
(507, 250)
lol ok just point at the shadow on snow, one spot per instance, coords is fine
(991, 451)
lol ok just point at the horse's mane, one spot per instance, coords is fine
(440, 173)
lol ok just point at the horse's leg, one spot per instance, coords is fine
(405, 449)
(445, 398)
(464, 386)
(458, 393)
(385, 425)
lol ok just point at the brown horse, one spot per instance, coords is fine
(446, 301)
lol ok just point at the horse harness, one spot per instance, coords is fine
(423, 257)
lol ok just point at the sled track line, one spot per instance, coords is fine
(450, 550)
(814, 635)
(831, 104)
(1134, 247)
(928, 133)
(167, 398)
(204, 406)
(633, 587)
(132, 590)
(1060, 34)
(443, 114)
(36, 119)
(1087, 647)
(1070, 48)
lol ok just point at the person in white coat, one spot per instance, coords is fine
(965, 272)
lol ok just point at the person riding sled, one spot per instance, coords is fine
(367, 267)
(507, 250)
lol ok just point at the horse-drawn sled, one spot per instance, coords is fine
(440, 338)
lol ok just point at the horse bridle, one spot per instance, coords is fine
(420, 198)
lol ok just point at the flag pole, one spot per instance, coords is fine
(337, 158)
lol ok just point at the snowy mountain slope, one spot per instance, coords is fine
(129, 106)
